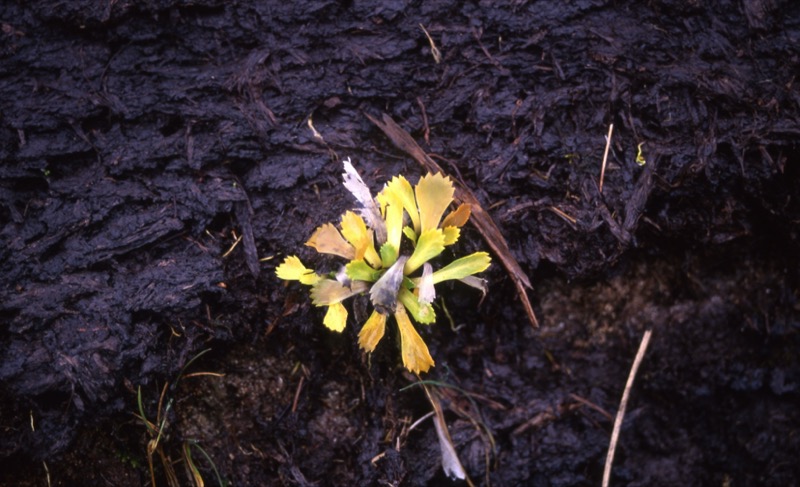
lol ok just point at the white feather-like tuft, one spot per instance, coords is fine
(369, 209)
(427, 293)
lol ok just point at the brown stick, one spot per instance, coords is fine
(480, 218)
(612, 447)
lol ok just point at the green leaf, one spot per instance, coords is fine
(358, 270)
(410, 234)
(429, 245)
(463, 267)
(422, 314)
(388, 255)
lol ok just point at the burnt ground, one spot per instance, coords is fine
(140, 140)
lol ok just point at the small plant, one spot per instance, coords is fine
(371, 239)
(157, 432)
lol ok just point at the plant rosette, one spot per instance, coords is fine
(399, 282)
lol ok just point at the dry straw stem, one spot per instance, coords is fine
(437, 56)
(624, 404)
(480, 218)
(451, 464)
(605, 156)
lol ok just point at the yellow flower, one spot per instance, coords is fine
(371, 239)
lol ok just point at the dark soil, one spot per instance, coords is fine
(140, 140)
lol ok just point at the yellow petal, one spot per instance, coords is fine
(434, 194)
(355, 231)
(463, 267)
(416, 357)
(328, 291)
(293, 270)
(353, 228)
(429, 245)
(402, 192)
(394, 227)
(457, 217)
(451, 235)
(370, 254)
(327, 240)
(372, 332)
(336, 317)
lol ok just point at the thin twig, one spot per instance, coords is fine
(605, 156)
(622, 405)
(235, 243)
(592, 405)
(426, 129)
(563, 214)
(297, 393)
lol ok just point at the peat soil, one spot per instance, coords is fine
(141, 140)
